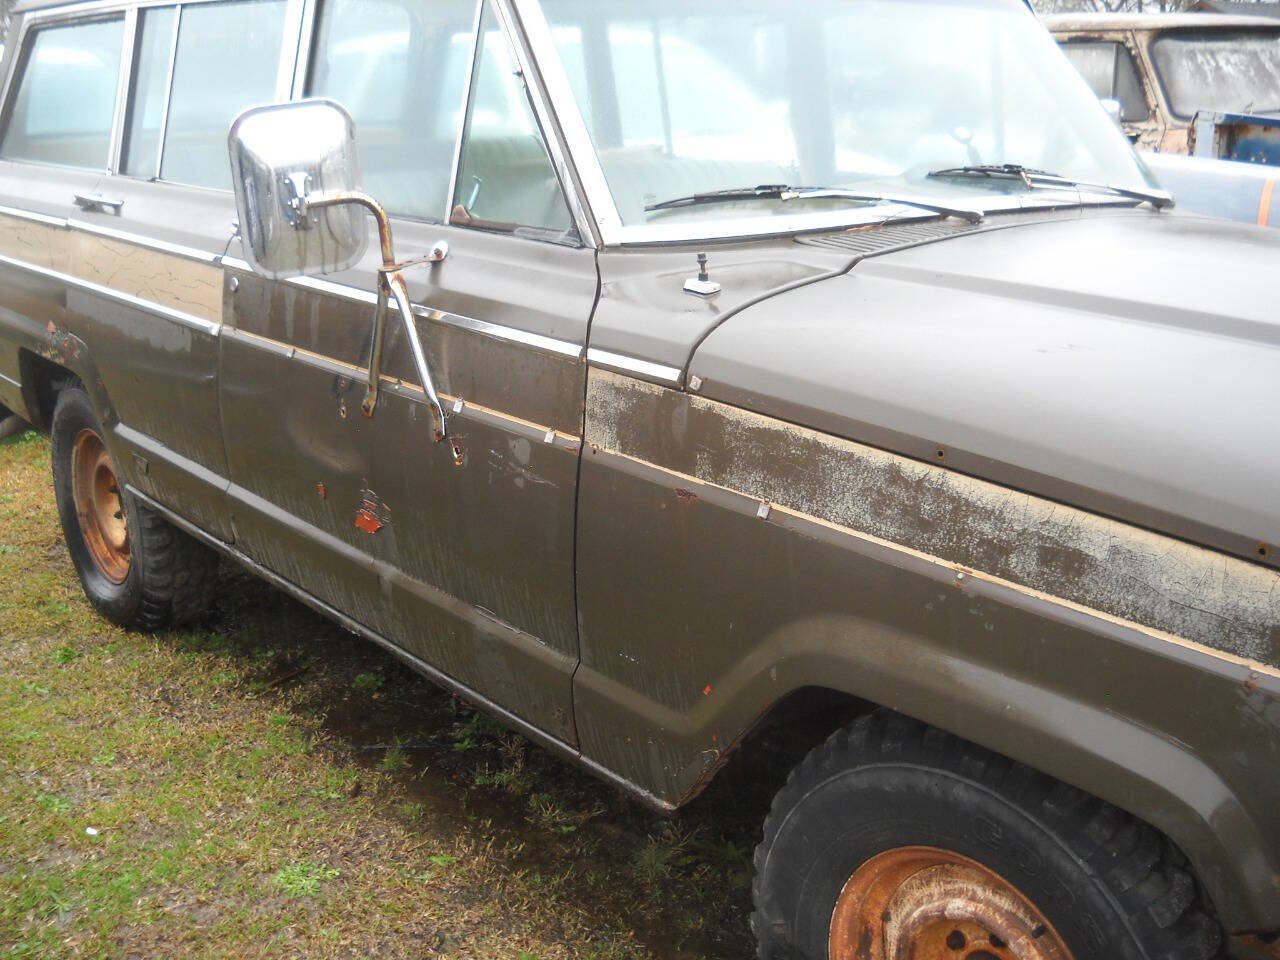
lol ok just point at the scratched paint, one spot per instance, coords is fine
(1179, 589)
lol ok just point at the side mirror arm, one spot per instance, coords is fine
(391, 286)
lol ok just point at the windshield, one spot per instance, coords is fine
(682, 98)
(1222, 72)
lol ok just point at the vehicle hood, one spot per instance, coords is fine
(1128, 363)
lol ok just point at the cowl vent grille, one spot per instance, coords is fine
(865, 241)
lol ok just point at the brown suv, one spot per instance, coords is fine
(653, 374)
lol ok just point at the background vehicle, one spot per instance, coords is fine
(1200, 85)
(819, 382)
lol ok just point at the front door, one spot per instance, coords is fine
(460, 552)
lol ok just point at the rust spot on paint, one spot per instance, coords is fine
(342, 409)
(685, 496)
(1251, 684)
(706, 691)
(366, 519)
(320, 489)
(458, 455)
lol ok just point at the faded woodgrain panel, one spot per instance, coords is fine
(164, 278)
(172, 281)
(40, 244)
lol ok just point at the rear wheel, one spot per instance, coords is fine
(137, 569)
(896, 841)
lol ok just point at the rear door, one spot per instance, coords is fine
(158, 225)
(59, 115)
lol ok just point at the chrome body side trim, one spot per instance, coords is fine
(565, 348)
(511, 334)
(168, 313)
(5, 378)
(645, 368)
(177, 249)
(306, 41)
(33, 217)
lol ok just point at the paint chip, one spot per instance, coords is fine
(367, 519)
(706, 691)
(763, 511)
(550, 437)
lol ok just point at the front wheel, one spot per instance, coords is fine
(138, 570)
(894, 840)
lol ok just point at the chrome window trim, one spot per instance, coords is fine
(124, 77)
(291, 39)
(6, 379)
(168, 89)
(128, 299)
(626, 364)
(554, 136)
(596, 200)
(456, 167)
(306, 44)
(22, 25)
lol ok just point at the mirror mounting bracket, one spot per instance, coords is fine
(391, 286)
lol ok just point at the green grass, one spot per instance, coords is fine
(227, 791)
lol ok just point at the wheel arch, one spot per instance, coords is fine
(1119, 757)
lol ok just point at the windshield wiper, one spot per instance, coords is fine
(774, 191)
(1033, 178)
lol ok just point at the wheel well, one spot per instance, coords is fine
(756, 767)
(42, 380)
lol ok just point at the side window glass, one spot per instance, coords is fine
(147, 101)
(66, 98)
(1109, 69)
(399, 67)
(506, 180)
(227, 59)
(224, 57)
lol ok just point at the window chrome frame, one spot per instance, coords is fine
(22, 25)
(473, 60)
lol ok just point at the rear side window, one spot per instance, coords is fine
(224, 57)
(399, 67)
(1109, 69)
(66, 99)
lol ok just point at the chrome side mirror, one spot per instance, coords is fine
(297, 186)
(280, 156)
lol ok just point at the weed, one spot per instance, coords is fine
(477, 731)
(302, 879)
(394, 759)
(65, 654)
(52, 803)
(367, 682)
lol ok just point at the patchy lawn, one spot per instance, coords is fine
(267, 785)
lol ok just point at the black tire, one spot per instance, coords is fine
(171, 576)
(1112, 887)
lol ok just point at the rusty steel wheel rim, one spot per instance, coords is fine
(923, 903)
(96, 491)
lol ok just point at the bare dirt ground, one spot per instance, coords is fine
(268, 785)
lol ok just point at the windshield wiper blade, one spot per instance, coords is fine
(767, 191)
(1033, 178)
(782, 192)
